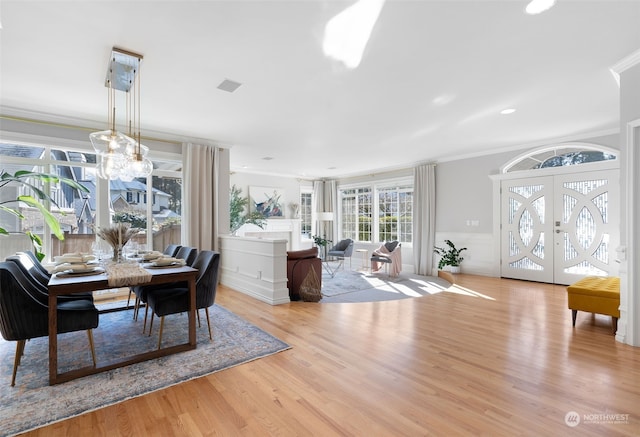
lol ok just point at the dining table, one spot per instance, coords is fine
(63, 284)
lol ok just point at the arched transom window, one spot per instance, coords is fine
(560, 155)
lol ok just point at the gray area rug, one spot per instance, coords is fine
(355, 286)
(33, 403)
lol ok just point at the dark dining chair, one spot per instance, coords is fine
(172, 249)
(38, 270)
(39, 282)
(188, 254)
(23, 316)
(166, 301)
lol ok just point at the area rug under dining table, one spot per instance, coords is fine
(33, 403)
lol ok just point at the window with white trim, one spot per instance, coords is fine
(377, 212)
(395, 206)
(306, 211)
(77, 211)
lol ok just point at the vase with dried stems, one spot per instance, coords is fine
(117, 236)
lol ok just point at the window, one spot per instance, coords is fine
(167, 186)
(395, 206)
(355, 213)
(306, 208)
(393, 203)
(560, 156)
(78, 212)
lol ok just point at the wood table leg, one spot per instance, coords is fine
(53, 338)
(192, 311)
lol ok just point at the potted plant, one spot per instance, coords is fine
(12, 206)
(321, 242)
(449, 256)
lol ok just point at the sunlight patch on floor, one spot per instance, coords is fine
(414, 288)
(457, 289)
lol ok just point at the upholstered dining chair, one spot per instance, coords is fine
(39, 283)
(23, 316)
(38, 270)
(166, 301)
(342, 250)
(188, 254)
(172, 249)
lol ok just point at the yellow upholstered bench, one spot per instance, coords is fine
(596, 294)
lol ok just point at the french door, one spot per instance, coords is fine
(559, 228)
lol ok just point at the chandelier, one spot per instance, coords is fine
(122, 156)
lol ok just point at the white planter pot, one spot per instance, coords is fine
(454, 269)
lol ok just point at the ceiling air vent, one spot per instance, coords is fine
(229, 85)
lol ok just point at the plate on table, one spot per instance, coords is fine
(82, 272)
(164, 266)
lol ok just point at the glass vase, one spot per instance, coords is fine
(117, 254)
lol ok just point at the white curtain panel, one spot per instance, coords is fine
(424, 218)
(325, 200)
(331, 204)
(200, 210)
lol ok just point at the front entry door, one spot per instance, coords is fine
(560, 228)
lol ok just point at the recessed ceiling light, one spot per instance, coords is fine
(267, 158)
(331, 168)
(507, 111)
(443, 100)
(537, 6)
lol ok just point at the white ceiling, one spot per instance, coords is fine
(433, 79)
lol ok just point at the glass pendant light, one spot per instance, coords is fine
(122, 156)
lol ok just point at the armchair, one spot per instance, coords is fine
(390, 256)
(342, 250)
(298, 264)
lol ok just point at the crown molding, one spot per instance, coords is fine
(627, 62)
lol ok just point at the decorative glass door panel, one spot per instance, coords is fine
(574, 213)
(588, 230)
(526, 222)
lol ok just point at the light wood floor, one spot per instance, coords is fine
(491, 357)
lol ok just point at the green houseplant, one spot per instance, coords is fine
(321, 242)
(450, 256)
(37, 200)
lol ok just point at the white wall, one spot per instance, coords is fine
(629, 323)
